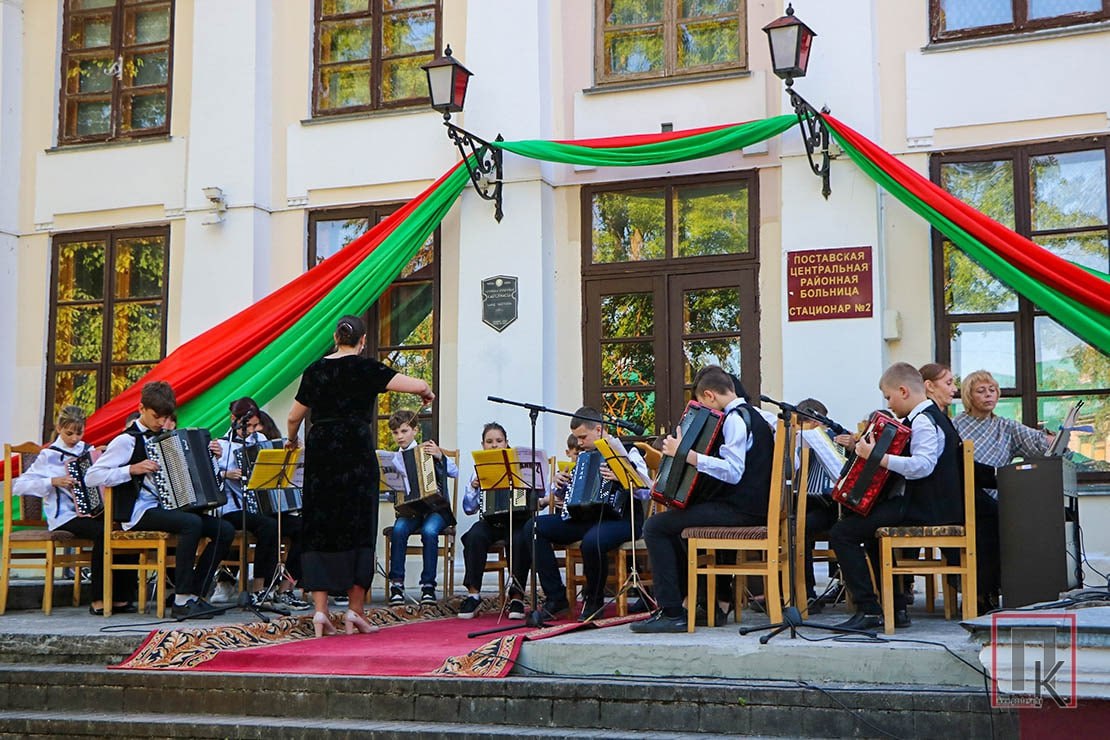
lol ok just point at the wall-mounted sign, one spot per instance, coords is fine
(499, 301)
(828, 284)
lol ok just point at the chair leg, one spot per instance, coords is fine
(930, 592)
(48, 582)
(887, 577)
(106, 596)
(5, 567)
(772, 598)
(971, 585)
(622, 576)
(142, 572)
(77, 584)
(572, 578)
(692, 585)
(160, 584)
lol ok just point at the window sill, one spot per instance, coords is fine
(111, 144)
(609, 87)
(938, 47)
(365, 114)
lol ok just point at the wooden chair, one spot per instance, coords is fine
(446, 548)
(765, 542)
(152, 550)
(34, 547)
(892, 540)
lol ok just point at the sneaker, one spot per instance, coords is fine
(286, 598)
(194, 609)
(516, 609)
(427, 595)
(660, 623)
(396, 595)
(339, 600)
(469, 607)
(224, 593)
(258, 598)
(553, 610)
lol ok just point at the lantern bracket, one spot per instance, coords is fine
(815, 135)
(482, 160)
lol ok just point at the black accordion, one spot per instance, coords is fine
(427, 489)
(265, 500)
(86, 499)
(590, 496)
(498, 504)
(677, 479)
(187, 476)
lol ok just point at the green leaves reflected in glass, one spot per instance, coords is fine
(76, 387)
(425, 258)
(1089, 249)
(140, 264)
(403, 79)
(345, 41)
(345, 86)
(406, 314)
(707, 43)
(629, 12)
(342, 7)
(408, 33)
(629, 226)
(697, 8)
(986, 346)
(968, 288)
(125, 377)
(79, 334)
(627, 315)
(627, 363)
(1069, 189)
(701, 352)
(148, 26)
(637, 406)
(333, 235)
(634, 52)
(711, 220)
(148, 69)
(711, 310)
(81, 271)
(93, 117)
(91, 32)
(147, 111)
(1066, 362)
(1089, 451)
(988, 186)
(137, 332)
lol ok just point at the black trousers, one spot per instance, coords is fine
(667, 549)
(124, 582)
(264, 528)
(853, 540)
(821, 514)
(476, 544)
(988, 545)
(190, 580)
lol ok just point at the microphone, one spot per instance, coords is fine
(768, 399)
(631, 426)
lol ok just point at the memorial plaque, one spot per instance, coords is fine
(499, 301)
(829, 284)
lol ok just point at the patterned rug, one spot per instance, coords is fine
(413, 641)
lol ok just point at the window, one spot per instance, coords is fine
(1055, 194)
(650, 39)
(117, 65)
(670, 275)
(107, 315)
(369, 53)
(955, 19)
(403, 326)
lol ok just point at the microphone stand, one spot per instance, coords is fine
(791, 614)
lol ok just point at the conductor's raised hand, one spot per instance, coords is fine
(292, 443)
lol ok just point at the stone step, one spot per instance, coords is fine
(27, 594)
(555, 706)
(139, 725)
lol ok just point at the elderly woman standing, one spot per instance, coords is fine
(997, 440)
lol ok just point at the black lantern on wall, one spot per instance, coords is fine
(447, 83)
(791, 41)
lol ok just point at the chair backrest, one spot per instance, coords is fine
(800, 497)
(652, 457)
(775, 511)
(968, 451)
(454, 455)
(13, 467)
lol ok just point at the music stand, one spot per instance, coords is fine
(616, 457)
(279, 471)
(791, 614)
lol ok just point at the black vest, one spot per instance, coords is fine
(124, 495)
(751, 494)
(938, 497)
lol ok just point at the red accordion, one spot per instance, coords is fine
(862, 481)
(676, 481)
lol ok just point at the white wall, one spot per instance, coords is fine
(11, 72)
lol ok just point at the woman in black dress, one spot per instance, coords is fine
(340, 512)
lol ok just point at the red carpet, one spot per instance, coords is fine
(412, 642)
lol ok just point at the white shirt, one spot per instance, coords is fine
(113, 469)
(57, 504)
(729, 467)
(926, 444)
(399, 463)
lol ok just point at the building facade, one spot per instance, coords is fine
(165, 163)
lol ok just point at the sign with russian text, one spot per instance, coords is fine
(828, 284)
(499, 301)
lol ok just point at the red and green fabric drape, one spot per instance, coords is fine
(264, 348)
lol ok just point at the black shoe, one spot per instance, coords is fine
(591, 610)
(639, 606)
(659, 624)
(428, 595)
(701, 617)
(862, 622)
(194, 609)
(901, 619)
(816, 606)
(396, 595)
(552, 610)
(516, 609)
(469, 607)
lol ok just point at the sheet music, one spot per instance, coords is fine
(1060, 444)
(392, 479)
(533, 467)
(616, 456)
(826, 452)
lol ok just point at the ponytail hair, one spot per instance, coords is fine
(349, 331)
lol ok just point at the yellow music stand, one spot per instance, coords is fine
(277, 469)
(616, 457)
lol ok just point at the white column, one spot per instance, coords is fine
(11, 108)
(225, 265)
